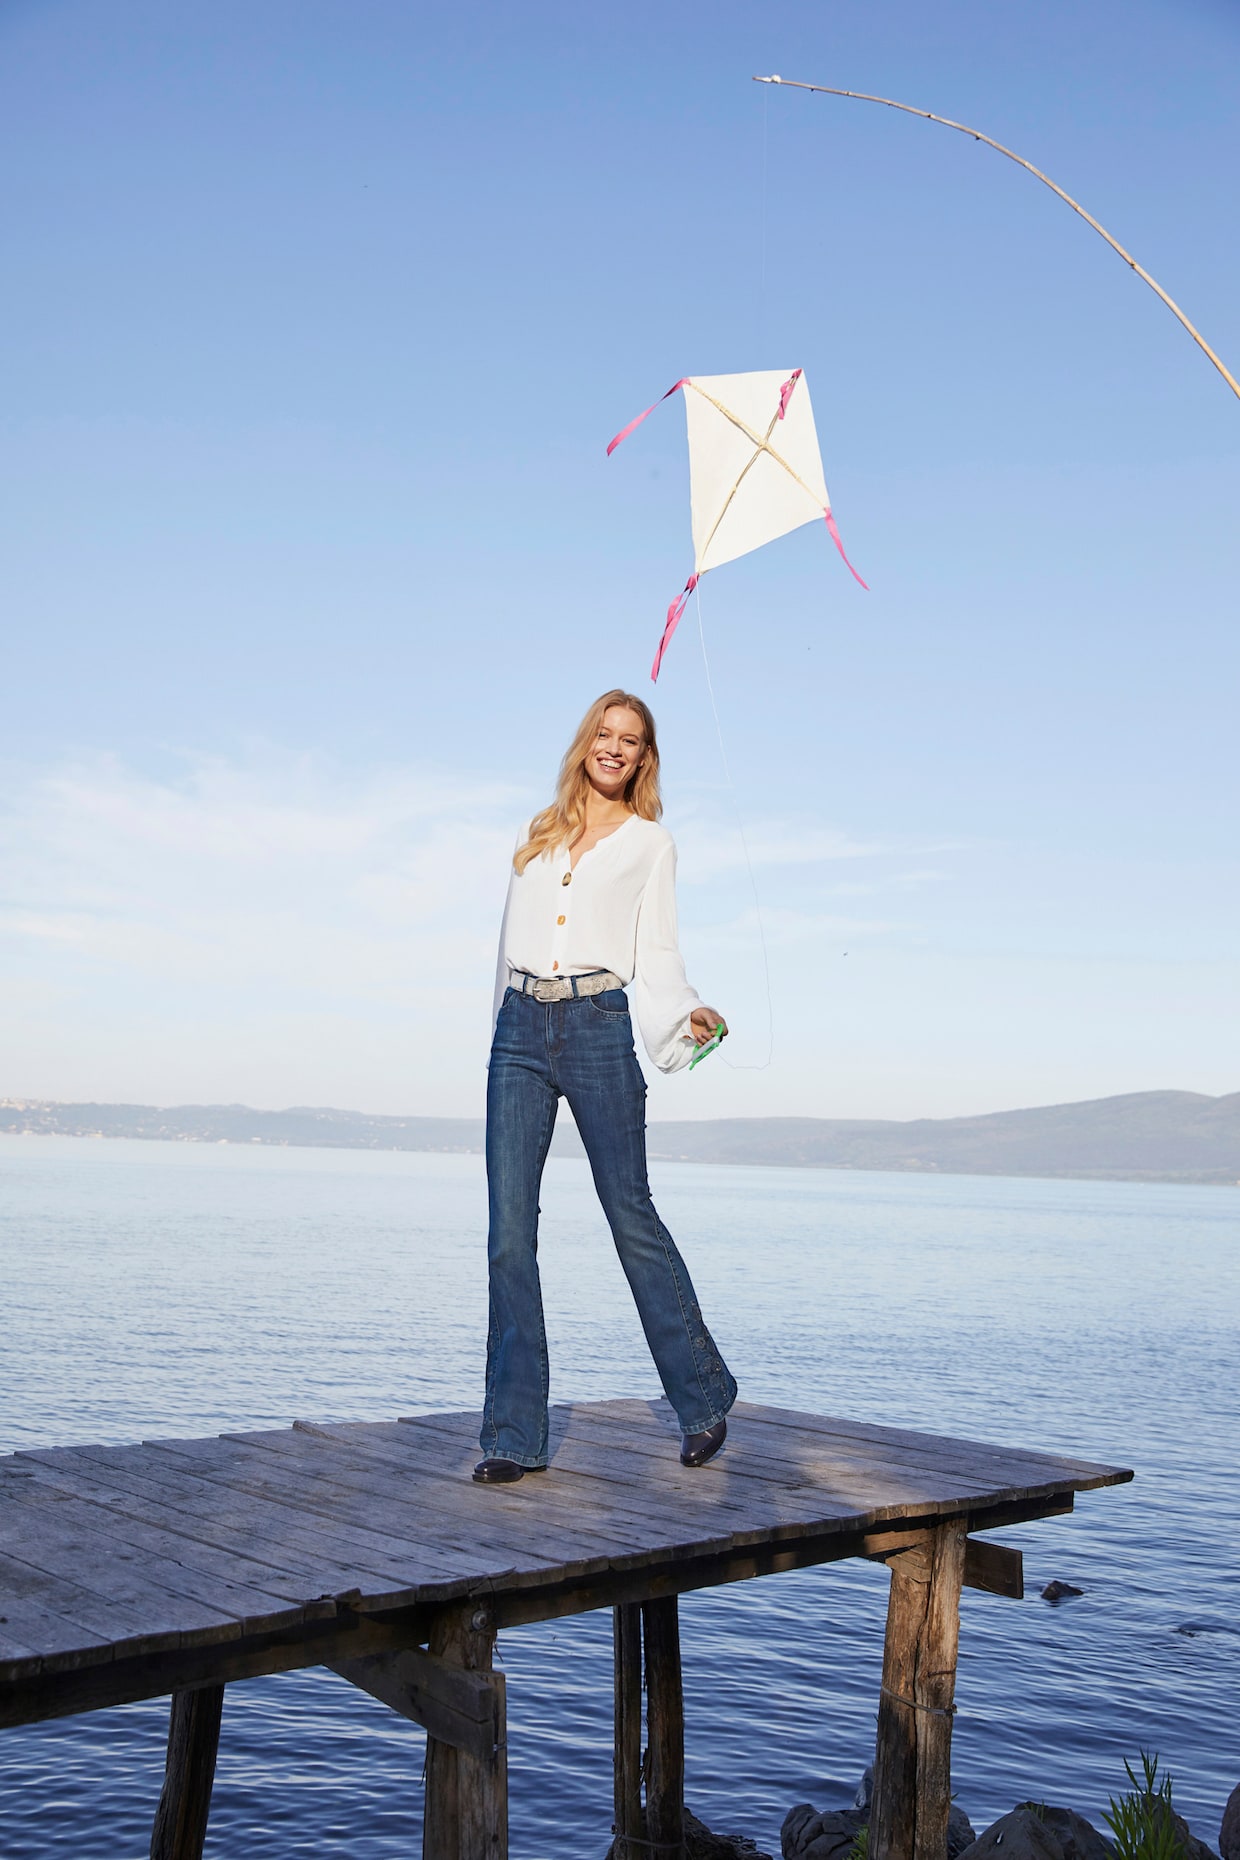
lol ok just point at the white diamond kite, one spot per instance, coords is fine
(755, 471)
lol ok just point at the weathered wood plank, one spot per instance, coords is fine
(189, 1775)
(625, 1470)
(167, 1560)
(71, 1540)
(559, 1519)
(334, 1490)
(677, 1575)
(758, 1464)
(140, 1616)
(793, 1446)
(785, 1459)
(629, 1413)
(271, 1525)
(621, 1507)
(52, 1689)
(845, 1491)
(647, 1465)
(969, 1458)
(644, 1433)
(32, 1629)
(232, 1548)
(1085, 1475)
(996, 1568)
(913, 1439)
(537, 1514)
(456, 1706)
(390, 1567)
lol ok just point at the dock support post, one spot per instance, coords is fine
(912, 1763)
(189, 1774)
(466, 1813)
(665, 1724)
(629, 1819)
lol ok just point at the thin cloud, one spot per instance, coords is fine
(894, 881)
(277, 929)
(279, 870)
(712, 849)
(786, 929)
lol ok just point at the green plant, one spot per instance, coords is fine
(861, 1844)
(1143, 1822)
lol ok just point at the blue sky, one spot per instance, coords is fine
(316, 321)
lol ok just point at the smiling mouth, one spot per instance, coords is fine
(613, 767)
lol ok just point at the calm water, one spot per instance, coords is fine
(153, 1288)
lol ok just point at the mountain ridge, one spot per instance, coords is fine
(1167, 1136)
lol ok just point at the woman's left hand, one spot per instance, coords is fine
(704, 1022)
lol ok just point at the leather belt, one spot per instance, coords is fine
(563, 987)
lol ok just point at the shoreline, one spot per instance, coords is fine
(708, 1142)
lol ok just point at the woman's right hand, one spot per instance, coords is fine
(705, 1024)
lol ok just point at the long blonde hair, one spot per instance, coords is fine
(562, 822)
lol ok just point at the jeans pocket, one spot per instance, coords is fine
(613, 1004)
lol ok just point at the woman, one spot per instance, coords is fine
(591, 907)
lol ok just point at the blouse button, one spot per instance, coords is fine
(561, 920)
(567, 879)
(555, 965)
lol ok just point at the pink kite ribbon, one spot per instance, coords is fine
(835, 538)
(785, 392)
(673, 621)
(634, 424)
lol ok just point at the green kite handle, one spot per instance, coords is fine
(704, 1052)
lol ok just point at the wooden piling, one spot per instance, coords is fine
(912, 1764)
(466, 1812)
(665, 1728)
(189, 1774)
(630, 1819)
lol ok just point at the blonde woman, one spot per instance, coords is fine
(591, 908)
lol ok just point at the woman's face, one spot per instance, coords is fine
(616, 752)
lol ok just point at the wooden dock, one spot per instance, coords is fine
(176, 1566)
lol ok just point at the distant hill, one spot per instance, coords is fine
(1154, 1136)
(1157, 1136)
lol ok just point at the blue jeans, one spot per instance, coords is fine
(581, 1049)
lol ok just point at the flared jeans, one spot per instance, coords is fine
(582, 1050)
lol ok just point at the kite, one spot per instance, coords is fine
(755, 471)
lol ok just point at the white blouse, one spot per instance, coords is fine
(617, 911)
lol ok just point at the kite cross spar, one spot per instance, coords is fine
(747, 484)
(861, 96)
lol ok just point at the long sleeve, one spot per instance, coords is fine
(662, 996)
(501, 961)
(502, 964)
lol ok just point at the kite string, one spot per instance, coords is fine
(738, 1065)
(764, 217)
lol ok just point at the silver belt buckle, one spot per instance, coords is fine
(547, 989)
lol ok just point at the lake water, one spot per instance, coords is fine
(164, 1289)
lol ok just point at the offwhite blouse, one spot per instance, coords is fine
(616, 911)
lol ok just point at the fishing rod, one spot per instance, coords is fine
(861, 96)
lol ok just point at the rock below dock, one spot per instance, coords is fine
(1030, 1834)
(1229, 1833)
(701, 1844)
